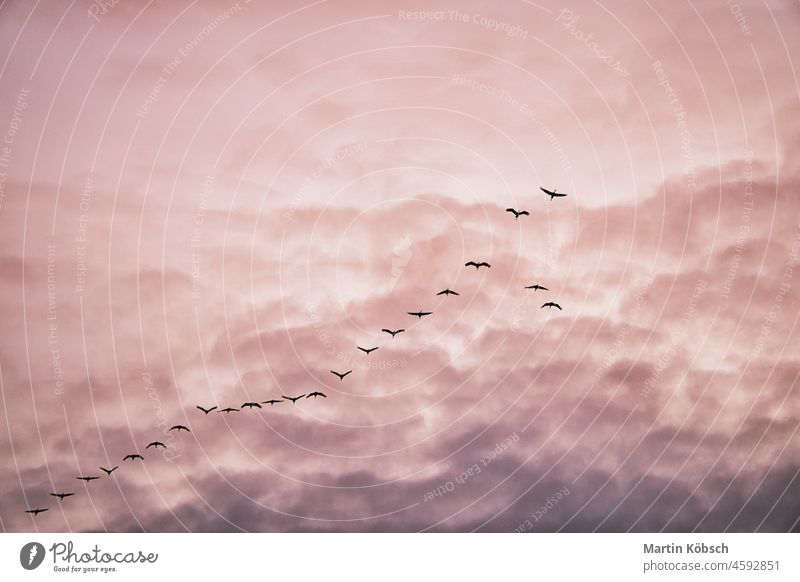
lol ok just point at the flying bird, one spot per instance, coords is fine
(109, 471)
(552, 193)
(87, 479)
(271, 402)
(229, 410)
(132, 457)
(251, 405)
(36, 511)
(419, 314)
(180, 427)
(366, 350)
(206, 410)
(61, 496)
(295, 399)
(447, 292)
(315, 394)
(156, 444)
(518, 213)
(477, 265)
(551, 304)
(393, 333)
(537, 287)
(340, 376)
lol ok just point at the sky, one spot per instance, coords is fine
(210, 203)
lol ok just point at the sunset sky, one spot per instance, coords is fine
(208, 203)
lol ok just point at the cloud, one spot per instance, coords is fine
(278, 205)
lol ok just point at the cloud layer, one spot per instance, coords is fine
(212, 203)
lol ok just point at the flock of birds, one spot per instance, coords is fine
(61, 495)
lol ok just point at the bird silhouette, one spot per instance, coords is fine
(61, 496)
(36, 511)
(477, 265)
(366, 350)
(419, 314)
(293, 399)
(551, 304)
(271, 402)
(87, 479)
(229, 410)
(341, 376)
(447, 292)
(156, 444)
(315, 394)
(133, 457)
(109, 471)
(251, 405)
(537, 287)
(393, 333)
(179, 427)
(551, 193)
(206, 410)
(517, 214)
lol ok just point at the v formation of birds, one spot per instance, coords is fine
(61, 496)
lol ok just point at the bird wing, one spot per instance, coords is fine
(525, 212)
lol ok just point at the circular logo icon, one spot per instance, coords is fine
(31, 555)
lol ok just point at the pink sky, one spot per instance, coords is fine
(211, 203)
